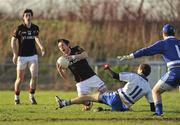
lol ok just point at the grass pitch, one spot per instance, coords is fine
(45, 114)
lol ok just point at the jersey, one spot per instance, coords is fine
(169, 48)
(136, 87)
(26, 39)
(80, 69)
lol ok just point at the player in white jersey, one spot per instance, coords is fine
(136, 87)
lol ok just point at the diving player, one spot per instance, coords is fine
(169, 48)
(136, 87)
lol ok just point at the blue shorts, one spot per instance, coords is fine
(112, 99)
(172, 77)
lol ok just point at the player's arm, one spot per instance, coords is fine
(156, 48)
(112, 73)
(124, 76)
(62, 72)
(150, 101)
(14, 46)
(81, 54)
(39, 43)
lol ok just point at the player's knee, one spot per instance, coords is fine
(34, 78)
(34, 75)
(19, 79)
(156, 91)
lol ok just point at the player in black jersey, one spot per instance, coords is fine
(86, 78)
(23, 41)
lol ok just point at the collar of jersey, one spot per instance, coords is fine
(26, 25)
(143, 76)
(169, 37)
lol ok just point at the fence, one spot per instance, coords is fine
(50, 79)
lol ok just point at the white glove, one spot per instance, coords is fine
(125, 57)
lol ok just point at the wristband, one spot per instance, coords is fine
(73, 57)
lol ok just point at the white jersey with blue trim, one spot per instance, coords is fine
(169, 48)
(136, 87)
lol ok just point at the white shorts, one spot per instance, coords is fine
(30, 61)
(90, 85)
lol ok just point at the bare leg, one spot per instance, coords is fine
(78, 100)
(84, 98)
(157, 90)
(33, 66)
(33, 83)
(19, 80)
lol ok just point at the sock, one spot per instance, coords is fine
(159, 109)
(66, 102)
(16, 95)
(31, 93)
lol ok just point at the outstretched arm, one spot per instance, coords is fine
(156, 48)
(112, 73)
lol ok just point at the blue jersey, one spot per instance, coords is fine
(169, 48)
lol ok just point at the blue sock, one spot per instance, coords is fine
(159, 109)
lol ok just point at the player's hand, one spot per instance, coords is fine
(15, 59)
(58, 66)
(71, 57)
(125, 57)
(106, 66)
(43, 52)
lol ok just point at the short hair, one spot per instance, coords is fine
(65, 41)
(169, 30)
(146, 69)
(28, 11)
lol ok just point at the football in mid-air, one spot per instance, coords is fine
(63, 62)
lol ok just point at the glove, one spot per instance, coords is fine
(125, 57)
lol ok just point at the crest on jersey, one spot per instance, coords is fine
(29, 32)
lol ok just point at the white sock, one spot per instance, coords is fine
(31, 95)
(16, 97)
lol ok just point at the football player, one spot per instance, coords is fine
(136, 87)
(23, 41)
(169, 48)
(86, 79)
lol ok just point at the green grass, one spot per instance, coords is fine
(45, 114)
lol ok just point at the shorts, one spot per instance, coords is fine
(170, 80)
(90, 85)
(30, 61)
(113, 100)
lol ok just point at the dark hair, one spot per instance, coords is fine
(146, 69)
(28, 11)
(64, 41)
(171, 33)
(169, 30)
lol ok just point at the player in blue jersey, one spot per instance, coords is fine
(135, 88)
(169, 48)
